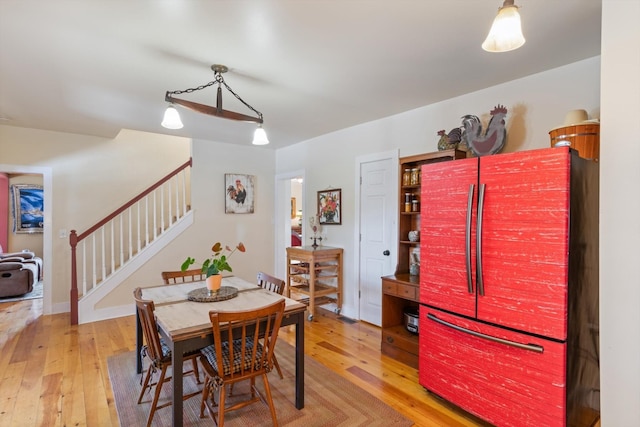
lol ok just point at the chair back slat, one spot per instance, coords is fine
(149, 327)
(173, 277)
(271, 283)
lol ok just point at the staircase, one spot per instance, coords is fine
(107, 253)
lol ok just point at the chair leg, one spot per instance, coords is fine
(267, 391)
(221, 398)
(205, 395)
(277, 365)
(252, 381)
(145, 385)
(195, 369)
(156, 395)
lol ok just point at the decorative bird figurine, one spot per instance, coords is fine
(493, 139)
(449, 141)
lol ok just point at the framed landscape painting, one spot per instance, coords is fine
(28, 208)
(239, 193)
(330, 207)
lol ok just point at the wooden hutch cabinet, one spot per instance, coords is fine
(401, 291)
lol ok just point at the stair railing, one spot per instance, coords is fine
(108, 245)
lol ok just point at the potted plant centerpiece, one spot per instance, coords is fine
(217, 263)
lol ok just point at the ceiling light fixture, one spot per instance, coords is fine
(172, 118)
(506, 31)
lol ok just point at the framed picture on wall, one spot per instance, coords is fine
(330, 207)
(239, 193)
(28, 208)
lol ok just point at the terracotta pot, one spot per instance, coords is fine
(213, 282)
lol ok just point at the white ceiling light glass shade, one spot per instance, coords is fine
(171, 118)
(260, 137)
(506, 31)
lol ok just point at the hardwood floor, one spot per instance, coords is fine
(54, 374)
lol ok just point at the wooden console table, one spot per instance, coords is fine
(315, 273)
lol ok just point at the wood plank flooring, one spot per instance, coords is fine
(54, 374)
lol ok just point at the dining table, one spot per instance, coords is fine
(184, 325)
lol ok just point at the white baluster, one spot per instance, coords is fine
(155, 215)
(102, 254)
(113, 246)
(84, 267)
(130, 237)
(93, 261)
(121, 240)
(162, 210)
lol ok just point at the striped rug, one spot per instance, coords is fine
(330, 400)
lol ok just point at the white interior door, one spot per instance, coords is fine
(377, 228)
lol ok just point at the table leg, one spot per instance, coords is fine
(138, 343)
(177, 362)
(300, 360)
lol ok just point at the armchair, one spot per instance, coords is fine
(16, 278)
(25, 256)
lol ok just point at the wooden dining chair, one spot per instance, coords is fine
(242, 351)
(271, 283)
(159, 354)
(173, 277)
(276, 285)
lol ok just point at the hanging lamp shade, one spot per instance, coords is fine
(171, 118)
(260, 137)
(506, 31)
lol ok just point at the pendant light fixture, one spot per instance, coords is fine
(506, 31)
(172, 118)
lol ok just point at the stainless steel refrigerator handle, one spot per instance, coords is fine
(467, 237)
(531, 347)
(479, 240)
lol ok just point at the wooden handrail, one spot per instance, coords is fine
(75, 238)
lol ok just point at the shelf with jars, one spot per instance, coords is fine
(400, 291)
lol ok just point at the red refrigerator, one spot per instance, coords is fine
(509, 287)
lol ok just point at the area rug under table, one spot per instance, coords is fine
(330, 400)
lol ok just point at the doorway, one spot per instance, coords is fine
(289, 186)
(47, 241)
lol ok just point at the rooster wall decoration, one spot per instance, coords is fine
(493, 139)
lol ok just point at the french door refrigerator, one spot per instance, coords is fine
(509, 286)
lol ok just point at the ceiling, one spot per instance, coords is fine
(309, 66)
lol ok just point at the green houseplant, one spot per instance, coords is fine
(214, 265)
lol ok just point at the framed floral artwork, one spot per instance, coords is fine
(239, 193)
(330, 207)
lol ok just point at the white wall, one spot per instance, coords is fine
(93, 176)
(90, 178)
(619, 207)
(211, 160)
(535, 105)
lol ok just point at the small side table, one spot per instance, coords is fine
(316, 273)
